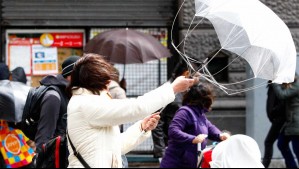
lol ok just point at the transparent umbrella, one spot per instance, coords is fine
(253, 32)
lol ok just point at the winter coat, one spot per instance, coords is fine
(275, 107)
(93, 122)
(189, 122)
(291, 96)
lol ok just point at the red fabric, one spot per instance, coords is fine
(207, 158)
(57, 150)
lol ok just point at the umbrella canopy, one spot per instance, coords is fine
(251, 30)
(125, 46)
(12, 100)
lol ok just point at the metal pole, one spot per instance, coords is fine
(159, 73)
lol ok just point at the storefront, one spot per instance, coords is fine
(38, 35)
(24, 22)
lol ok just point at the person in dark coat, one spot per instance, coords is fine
(160, 133)
(190, 128)
(276, 115)
(52, 120)
(19, 75)
(290, 130)
(4, 72)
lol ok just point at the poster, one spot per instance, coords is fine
(20, 56)
(44, 60)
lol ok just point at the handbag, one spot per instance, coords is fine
(14, 148)
(77, 154)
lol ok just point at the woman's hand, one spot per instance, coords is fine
(150, 123)
(199, 139)
(224, 136)
(182, 84)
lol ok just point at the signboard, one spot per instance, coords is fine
(62, 39)
(37, 50)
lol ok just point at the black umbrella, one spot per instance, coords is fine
(12, 100)
(126, 46)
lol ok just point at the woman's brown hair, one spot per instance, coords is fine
(91, 72)
(201, 95)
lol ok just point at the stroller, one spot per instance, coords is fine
(205, 156)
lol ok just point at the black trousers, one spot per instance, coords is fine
(272, 136)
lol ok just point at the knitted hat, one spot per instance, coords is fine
(68, 65)
(4, 72)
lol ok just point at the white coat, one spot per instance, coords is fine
(93, 124)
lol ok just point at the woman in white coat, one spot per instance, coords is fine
(94, 118)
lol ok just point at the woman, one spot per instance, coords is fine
(290, 130)
(239, 151)
(189, 129)
(94, 118)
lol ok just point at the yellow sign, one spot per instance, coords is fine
(47, 39)
(12, 144)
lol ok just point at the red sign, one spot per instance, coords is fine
(62, 39)
(23, 41)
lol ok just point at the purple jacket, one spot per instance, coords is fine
(189, 122)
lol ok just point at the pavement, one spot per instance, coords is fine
(147, 161)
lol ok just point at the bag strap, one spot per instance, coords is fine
(77, 154)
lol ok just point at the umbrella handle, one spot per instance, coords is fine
(124, 71)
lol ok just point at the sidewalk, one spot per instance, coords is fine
(147, 161)
(142, 161)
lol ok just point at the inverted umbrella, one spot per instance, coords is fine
(12, 100)
(126, 46)
(251, 30)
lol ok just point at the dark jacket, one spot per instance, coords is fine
(160, 133)
(291, 96)
(189, 122)
(275, 107)
(53, 119)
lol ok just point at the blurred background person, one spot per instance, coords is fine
(117, 92)
(16, 149)
(19, 75)
(160, 133)
(276, 115)
(290, 130)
